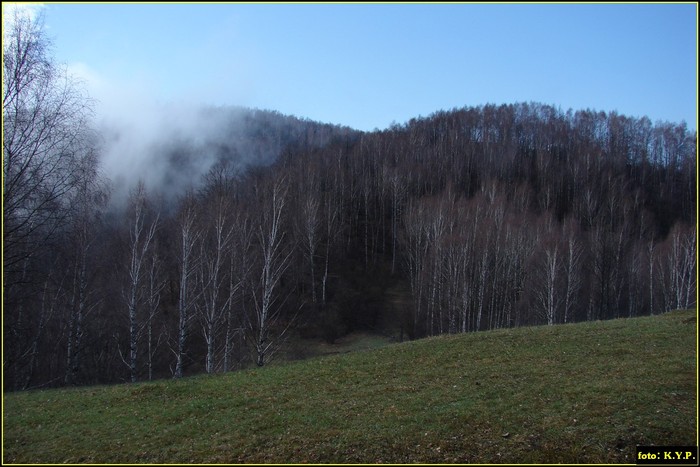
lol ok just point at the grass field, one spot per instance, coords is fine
(577, 393)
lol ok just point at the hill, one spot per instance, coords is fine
(585, 393)
(472, 219)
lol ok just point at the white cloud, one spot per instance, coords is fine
(32, 9)
(137, 126)
(9, 9)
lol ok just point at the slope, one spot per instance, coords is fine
(586, 392)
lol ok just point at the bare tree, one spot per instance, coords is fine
(189, 239)
(224, 260)
(309, 223)
(274, 260)
(547, 293)
(87, 201)
(572, 265)
(240, 266)
(214, 253)
(680, 268)
(154, 287)
(49, 176)
(398, 192)
(651, 249)
(332, 228)
(416, 252)
(45, 137)
(436, 232)
(469, 263)
(141, 235)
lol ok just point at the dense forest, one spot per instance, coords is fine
(466, 220)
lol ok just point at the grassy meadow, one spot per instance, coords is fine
(575, 393)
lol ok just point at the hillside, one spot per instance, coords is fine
(586, 393)
(146, 237)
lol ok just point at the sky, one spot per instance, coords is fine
(368, 66)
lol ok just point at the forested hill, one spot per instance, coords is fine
(467, 220)
(173, 152)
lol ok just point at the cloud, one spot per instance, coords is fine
(167, 144)
(11, 10)
(30, 9)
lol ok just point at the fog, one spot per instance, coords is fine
(171, 145)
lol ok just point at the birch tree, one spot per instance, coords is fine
(214, 254)
(398, 189)
(572, 265)
(240, 266)
(84, 297)
(189, 236)
(48, 159)
(141, 236)
(547, 293)
(310, 223)
(331, 230)
(154, 287)
(274, 255)
(416, 251)
(680, 268)
(46, 134)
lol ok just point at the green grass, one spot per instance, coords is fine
(574, 393)
(298, 348)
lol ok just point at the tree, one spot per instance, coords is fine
(46, 136)
(238, 278)
(224, 259)
(572, 272)
(79, 247)
(49, 172)
(679, 270)
(308, 231)
(416, 253)
(154, 287)
(331, 230)
(503, 216)
(141, 237)
(214, 253)
(398, 189)
(189, 236)
(274, 255)
(548, 294)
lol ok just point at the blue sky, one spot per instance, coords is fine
(368, 65)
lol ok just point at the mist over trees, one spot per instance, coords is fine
(466, 220)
